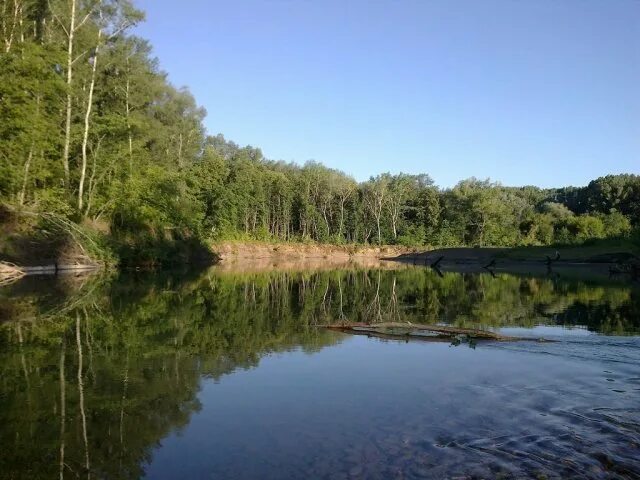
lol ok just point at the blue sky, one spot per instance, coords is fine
(543, 92)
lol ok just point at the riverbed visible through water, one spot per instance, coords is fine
(229, 374)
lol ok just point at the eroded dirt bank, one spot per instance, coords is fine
(235, 251)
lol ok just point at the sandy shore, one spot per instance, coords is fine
(233, 251)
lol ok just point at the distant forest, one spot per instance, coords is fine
(95, 140)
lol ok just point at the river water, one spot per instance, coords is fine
(226, 374)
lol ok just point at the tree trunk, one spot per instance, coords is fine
(326, 221)
(87, 119)
(128, 112)
(125, 382)
(81, 394)
(8, 31)
(341, 218)
(67, 127)
(63, 407)
(27, 165)
(393, 226)
(92, 181)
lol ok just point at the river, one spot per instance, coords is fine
(229, 374)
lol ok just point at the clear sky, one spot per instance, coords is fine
(543, 92)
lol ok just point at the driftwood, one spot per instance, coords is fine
(437, 333)
(490, 265)
(436, 264)
(550, 260)
(9, 273)
(55, 268)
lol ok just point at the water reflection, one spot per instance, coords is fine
(96, 372)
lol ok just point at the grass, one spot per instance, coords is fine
(597, 250)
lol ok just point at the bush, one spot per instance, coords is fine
(412, 236)
(616, 225)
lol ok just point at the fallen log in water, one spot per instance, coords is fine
(9, 273)
(60, 268)
(395, 330)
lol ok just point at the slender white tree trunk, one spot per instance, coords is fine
(67, 127)
(63, 407)
(25, 179)
(394, 222)
(87, 122)
(27, 164)
(81, 395)
(10, 30)
(128, 112)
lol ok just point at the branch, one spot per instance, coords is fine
(80, 56)
(437, 262)
(123, 27)
(57, 18)
(84, 20)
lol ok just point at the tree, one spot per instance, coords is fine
(345, 188)
(400, 187)
(375, 198)
(71, 22)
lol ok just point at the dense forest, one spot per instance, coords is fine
(97, 145)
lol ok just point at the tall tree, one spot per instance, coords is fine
(375, 198)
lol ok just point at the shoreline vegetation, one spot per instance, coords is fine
(601, 258)
(105, 164)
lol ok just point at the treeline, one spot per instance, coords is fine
(92, 133)
(247, 196)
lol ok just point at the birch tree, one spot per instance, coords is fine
(109, 15)
(375, 196)
(78, 14)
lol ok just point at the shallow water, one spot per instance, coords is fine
(226, 375)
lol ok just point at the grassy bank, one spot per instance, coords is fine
(597, 251)
(611, 250)
(29, 238)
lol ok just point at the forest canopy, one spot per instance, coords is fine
(93, 135)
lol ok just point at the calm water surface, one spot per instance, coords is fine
(226, 375)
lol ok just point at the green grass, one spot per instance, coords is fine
(597, 250)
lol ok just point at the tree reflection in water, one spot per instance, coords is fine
(96, 372)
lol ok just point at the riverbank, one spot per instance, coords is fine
(600, 259)
(238, 251)
(34, 255)
(593, 254)
(48, 244)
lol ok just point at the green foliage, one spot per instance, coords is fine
(556, 210)
(585, 227)
(616, 225)
(413, 236)
(141, 163)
